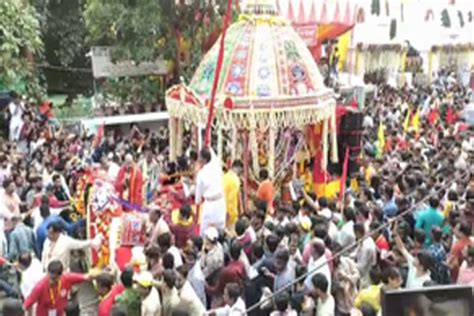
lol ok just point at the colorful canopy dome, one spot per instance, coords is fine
(268, 77)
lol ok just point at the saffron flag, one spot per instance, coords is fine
(450, 116)
(99, 136)
(415, 121)
(406, 123)
(342, 186)
(381, 139)
(354, 104)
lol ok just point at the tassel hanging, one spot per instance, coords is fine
(233, 148)
(179, 137)
(254, 150)
(324, 160)
(253, 143)
(171, 127)
(271, 147)
(220, 143)
(334, 153)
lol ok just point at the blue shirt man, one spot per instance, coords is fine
(42, 231)
(390, 209)
(21, 240)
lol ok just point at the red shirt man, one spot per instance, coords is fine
(234, 272)
(129, 182)
(382, 243)
(51, 293)
(106, 304)
(182, 225)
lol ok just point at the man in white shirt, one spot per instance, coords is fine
(156, 224)
(16, 109)
(235, 306)
(58, 246)
(366, 254)
(5, 214)
(196, 277)
(210, 192)
(187, 294)
(112, 167)
(346, 235)
(318, 262)
(166, 245)
(31, 273)
(151, 304)
(326, 304)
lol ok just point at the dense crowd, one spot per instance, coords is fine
(407, 223)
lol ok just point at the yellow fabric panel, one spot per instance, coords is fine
(329, 190)
(231, 192)
(343, 46)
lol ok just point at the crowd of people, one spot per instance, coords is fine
(407, 224)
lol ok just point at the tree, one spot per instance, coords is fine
(144, 30)
(20, 43)
(64, 33)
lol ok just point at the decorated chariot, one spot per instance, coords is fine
(271, 102)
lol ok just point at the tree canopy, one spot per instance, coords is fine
(20, 42)
(143, 30)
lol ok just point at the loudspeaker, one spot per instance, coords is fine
(350, 136)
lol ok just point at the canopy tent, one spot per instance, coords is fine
(331, 18)
(424, 24)
(269, 84)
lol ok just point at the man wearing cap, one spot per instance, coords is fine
(212, 258)
(210, 192)
(151, 304)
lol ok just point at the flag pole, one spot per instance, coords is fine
(220, 59)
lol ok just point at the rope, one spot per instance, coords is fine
(353, 245)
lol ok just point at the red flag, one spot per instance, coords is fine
(342, 186)
(450, 116)
(99, 136)
(433, 117)
(354, 103)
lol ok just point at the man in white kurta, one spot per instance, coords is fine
(210, 192)
(16, 109)
(58, 246)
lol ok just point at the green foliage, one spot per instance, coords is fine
(64, 31)
(145, 90)
(144, 30)
(71, 109)
(445, 20)
(19, 41)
